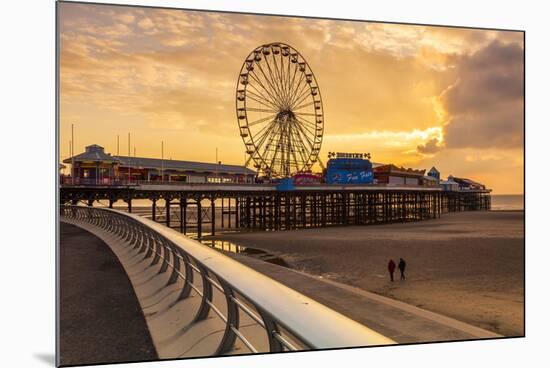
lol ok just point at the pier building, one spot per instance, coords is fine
(393, 175)
(96, 167)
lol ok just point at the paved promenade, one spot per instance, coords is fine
(101, 320)
(399, 321)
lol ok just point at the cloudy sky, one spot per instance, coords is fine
(410, 95)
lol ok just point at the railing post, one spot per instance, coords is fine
(204, 307)
(229, 336)
(271, 329)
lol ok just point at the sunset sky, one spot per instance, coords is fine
(410, 95)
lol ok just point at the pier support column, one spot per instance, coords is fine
(167, 212)
(199, 219)
(129, 205)
(111, 202)
(229, 213)
(181, 215)
(237, 223)
(324, 210)
(184, 217)
(222, 212)
(248, 224)
(154, 210)
(213, 216)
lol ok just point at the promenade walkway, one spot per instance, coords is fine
(101, 320)
(401, 322)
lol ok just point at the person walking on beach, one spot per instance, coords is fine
(391, 268)
(401, 266)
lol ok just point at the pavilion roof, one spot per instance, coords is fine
(167, 164)
(93, 153)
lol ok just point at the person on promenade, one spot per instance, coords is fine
(401, 266)
(391, 268)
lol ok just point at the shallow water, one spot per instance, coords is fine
(228, 246)
(507, 202)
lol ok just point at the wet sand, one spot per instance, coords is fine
(468, 265)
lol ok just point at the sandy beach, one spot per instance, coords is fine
(468, 265)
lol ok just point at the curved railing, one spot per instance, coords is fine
(289, 320)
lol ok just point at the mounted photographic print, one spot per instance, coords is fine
(235, 184)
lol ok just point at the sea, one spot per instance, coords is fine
(507, 202)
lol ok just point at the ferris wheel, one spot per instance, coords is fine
(279, 110)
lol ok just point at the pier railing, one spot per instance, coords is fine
(230, 292)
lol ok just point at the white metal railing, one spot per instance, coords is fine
(290, 320)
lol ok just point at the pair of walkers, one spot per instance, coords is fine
(401, 266)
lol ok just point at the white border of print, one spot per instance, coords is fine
(27, 147)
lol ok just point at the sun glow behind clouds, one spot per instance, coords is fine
(390, 138)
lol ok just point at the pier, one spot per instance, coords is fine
(206, 208)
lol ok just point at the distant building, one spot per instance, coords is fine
(93, 166)
(467, 184)
(349, 169)
(434, 173)
(393, 175)
(97, 167)
(449, 185)
(429, 181)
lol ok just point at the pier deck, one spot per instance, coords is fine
(262, 207)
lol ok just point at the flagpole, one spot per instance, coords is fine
(129, 157)
(161, 160)
(72, 153)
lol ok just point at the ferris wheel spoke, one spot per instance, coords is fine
(297, 87)
(262, 134)
(270, 145)
(285, 77)
(269, 91)
(302, 106)
(288, 84)
(260, 95)
(301, 96)
(306, 121)
(261, 110)
(262, 120)
(305, 113)
(269, 132)
(298, 147)
(309, 143)
(270, 84)
(258, 100)
(306, 125)
(279, 78)
(261, 99)
(274, 79)
(291, 85)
